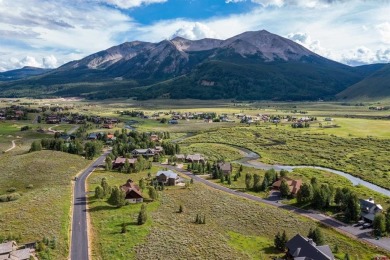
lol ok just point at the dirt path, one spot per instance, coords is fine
(13, 146)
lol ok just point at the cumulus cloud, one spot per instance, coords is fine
(127, 4)
(195, 31)
(26, 61)
(49, 61)
(384, 30)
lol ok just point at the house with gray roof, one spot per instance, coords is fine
(167, 177)
(11, 251)
(368, 209)
(302, 248)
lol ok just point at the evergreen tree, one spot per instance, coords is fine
(141, 183)
(153, 195)
(108, 162)
(379, 224)
(106, 187)
(256, 182)
(117, 197)
(305, 193)
(142, 215)
(317, 236)
(284, 189)
(248, 181)
(388, 220)
(36, 146)
(346, 257)
(99, 192)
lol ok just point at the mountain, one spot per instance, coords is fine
(21, 73)
(252, 65)
(374, 87)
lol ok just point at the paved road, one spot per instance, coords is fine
(355, 232)
(79, 243)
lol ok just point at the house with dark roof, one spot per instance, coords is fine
(133, 192)
(294, 185)
(368, 209)
(302, 248)
(120, 162)
(168, 178)
(195, 158)
(144, 152)
(225, 168)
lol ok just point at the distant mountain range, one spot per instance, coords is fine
(21, 73)
(250, 66)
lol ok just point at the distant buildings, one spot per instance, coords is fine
(11, 251)
(368, 209)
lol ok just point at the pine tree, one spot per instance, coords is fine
(248, 180)
(153, 195)
(106, 187)
(99, 192)
(117, 197)
(284, 189)
(379, 224)
(142, 216)
(317, 236)
(256, 182)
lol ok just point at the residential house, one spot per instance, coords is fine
(132, 191)
(225, 168)
(368, 209)
(144, 152)
(158, 149)
(300, 247)
(294, 185)
(154, 138)
(168, 178)
(108, 126)
(120, 162)
(195, 158)
(10, 250)
(180, 157)
(93, 136)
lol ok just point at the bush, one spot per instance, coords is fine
(12, 189)
(9, 197)
(30, 186)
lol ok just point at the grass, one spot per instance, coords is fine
(366, 158)
(213, 152)
(108, 242)
(235, 228)
(44, 209)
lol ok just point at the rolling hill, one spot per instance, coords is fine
(255, 65)
(21, 73)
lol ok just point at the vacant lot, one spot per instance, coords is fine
(44, 181)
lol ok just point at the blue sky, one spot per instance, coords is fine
(49, 33)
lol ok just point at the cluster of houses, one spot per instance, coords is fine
(11, 251)
(13, 112)
(56, 118)
(133, 192)
(190, 158)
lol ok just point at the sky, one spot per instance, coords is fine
(49, 33)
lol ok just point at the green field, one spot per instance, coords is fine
(43, 209)
(366, 158)
(235, 228)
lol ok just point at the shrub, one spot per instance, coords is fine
(30, 186)
(12, 189)
(9, 197)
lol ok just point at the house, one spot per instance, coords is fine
(92, 136)
(158, 149)
(10, 250)
(300, 247)
(108, 126)
(195, 158)
(180, 157)
(368, 209)
(154, 138)
(225, 168)
(120, 162)
(173, 122)
(132, 191)
(143, 152)
(294, 185)
(167, 177)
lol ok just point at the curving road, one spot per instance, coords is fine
(351, 231)
(79, 230)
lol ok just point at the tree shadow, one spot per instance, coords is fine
(100, 208)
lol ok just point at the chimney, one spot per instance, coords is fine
(311, 242)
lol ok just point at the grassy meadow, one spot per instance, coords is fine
(366, 158)
(235, 228)
(43, 179)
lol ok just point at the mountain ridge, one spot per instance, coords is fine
(251, 65)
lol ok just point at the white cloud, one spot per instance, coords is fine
(195, 31)
(384, 30)
(26, 61)
(49, 61)
(127, 4)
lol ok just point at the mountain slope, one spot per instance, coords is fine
(374, 87)
(21, 73)
(251, 65)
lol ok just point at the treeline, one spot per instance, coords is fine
(89, 149)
